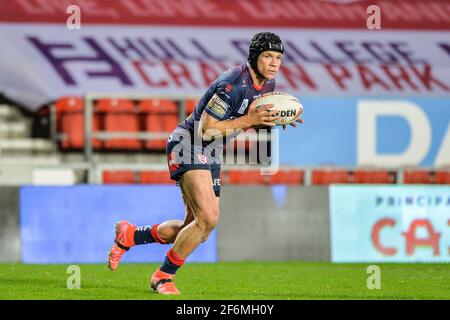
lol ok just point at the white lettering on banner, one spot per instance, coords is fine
(443, 157)
(367, 113)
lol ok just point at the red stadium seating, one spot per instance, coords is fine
(156, 177)
(160, 116)
(442, 177)
(190, 105)
(324, 177)
(130, 177)
(426, 177)
(120, 177)
(254, 177)
(243, 177)
(70, 121)
(158, 106)
(155, 124)
(288, 177)
(362, 176)
(418, 176)
(119, 116)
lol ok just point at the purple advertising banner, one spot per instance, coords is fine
(172, 61)
(75, 224)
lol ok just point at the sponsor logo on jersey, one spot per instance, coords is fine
(225, 94)
(217, 106)
(228, 87)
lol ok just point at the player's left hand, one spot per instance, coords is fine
(299, 120)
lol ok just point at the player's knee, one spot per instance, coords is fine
(208, 221)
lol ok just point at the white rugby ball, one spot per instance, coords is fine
(288, 106)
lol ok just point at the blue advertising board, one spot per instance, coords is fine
(363, 131)
(396, 223)
(74, 224)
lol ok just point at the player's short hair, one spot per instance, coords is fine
(263, 41)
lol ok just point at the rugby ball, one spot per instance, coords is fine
(289, 107)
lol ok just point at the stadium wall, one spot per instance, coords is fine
(274, 223)
(9, 226)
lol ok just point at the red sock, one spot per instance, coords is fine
(155, 235)
(172, 262)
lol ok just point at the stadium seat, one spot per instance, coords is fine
(418, 177)
(120, 177)
(252, 177)
(119, 116)
(244, 177)
(156, 177)
(324, 177)
(442, 177)
(70, 122)
(158, 106)
(426, 177)
(363, 176)
(154, 123)
(190, 105)
(286, 177)
(160, 116)
(67, 105)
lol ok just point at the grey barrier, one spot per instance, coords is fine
(9, 224)
(274, 223)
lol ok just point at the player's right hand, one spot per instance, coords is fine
(262, 116)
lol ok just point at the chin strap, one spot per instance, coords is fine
(257, 73)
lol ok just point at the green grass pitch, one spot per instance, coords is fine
(223, 281)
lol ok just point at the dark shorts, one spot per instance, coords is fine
(183, 156)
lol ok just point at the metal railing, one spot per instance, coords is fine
(94, 170)
(89, 134)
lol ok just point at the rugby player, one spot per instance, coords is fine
(226, 109)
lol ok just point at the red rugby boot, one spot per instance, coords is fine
(123, 241)
(163, 283)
